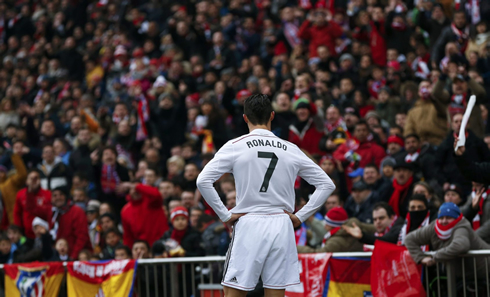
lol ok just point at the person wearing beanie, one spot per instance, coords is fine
(395, 144)
(67, 221)
(387, 167)
(303, 132)
(336, 239)
(42, 248)
(184, 235)
(142, 217)
(455, 195)
(450, 236)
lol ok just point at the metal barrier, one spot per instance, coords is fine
(184, 277)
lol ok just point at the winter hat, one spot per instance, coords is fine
(160, 82)
(347, 57)
(179, 211)
(449, 209)
(301, 103)
(336, 217)
(359, 186)
(455, 188)
(396, 139)
(388, 161)
(40, 222)
(93, 205)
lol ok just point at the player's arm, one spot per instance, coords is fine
(221, 163)
(315, 176)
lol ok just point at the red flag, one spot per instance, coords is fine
(313, 272)
(394, 273)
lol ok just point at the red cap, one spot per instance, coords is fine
(243, 93)
(138, 53)
(179, 211)
(394, 64)
(336, 217)
(327, 157)
(396, 139)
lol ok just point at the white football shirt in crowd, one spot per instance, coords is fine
(265, 168)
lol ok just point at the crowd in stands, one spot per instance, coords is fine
(110, 109)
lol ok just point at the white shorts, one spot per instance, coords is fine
(262, 245)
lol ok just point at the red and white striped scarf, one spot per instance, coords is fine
(331, 127)
(459, 99)
(473, 8)
(143, 117)
(462, 37)
(406, 228)
(379, 234)
(291, 34)
(421, 68)
(409, 158)
(329, 234)
(477, 218)
(445, 232)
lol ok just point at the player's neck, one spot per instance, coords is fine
(254, 127)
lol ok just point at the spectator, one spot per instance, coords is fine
(54, 173)
(112, 239)
(303, 131)
(94, 231)
(335, 129)
(215, 238)
(421, 156)
(477, 211)
(360, 203)
(11, 185)
(401, 189)
(231, 200)
(187, 238)
(433, 22)
(459, 31)
(142, 217)
(31, 202)
(333, 201)
(425, 189)
(427, 118)
(122, 252)
(450, 235)
(69, 222)
(446, 161)
(140, 250)
(360, 149)
(195, 214)
(455, 195)
(319, 31)
(85, 143)
(336, 239)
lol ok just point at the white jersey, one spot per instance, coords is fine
(265, 168)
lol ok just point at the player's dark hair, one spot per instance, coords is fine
(258, 109)
(389, 210)
(420, 197)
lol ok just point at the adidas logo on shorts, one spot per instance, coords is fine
(234, 280)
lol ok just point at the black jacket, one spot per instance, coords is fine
(438, 50)
(477, 172)
(476, 151)
(80, 160)
(433, 27)
(363, 212)
(117, 202)
(424, 166)
(60, 175)
(191, 243)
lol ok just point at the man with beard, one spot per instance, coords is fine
(303, 131)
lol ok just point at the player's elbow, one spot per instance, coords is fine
(202, 182)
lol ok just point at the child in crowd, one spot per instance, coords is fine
(185, 241)
(112, 239)
(122, 252)
(61, 251)
(7, 250)
(42, 241)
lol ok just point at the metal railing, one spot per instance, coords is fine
(184, 277)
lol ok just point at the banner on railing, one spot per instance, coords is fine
(33, 279)
(348, 277)
(102, 278)
(313, 270)
(394, 273)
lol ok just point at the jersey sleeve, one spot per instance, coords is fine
(221, 163)
(315, 176)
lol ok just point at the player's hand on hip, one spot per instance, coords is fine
(294, 219)
(234, 218)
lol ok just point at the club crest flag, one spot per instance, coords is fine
(33, 279)
(348, 277)
(103, 278)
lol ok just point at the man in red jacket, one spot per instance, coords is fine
(69, 221)
(303, 131)
(142, 217)
(31, 202)
(319, 31)
(360, 150)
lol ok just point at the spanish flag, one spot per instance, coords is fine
(348, 277)
(33, 279)
(105, 278)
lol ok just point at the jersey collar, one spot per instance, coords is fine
(262, 132)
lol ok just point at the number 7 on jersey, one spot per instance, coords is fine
(270, 169)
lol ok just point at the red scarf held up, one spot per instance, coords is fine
(445, 232)
(109, 178)
(178, 235)
(330, 234)
(396, 196)
(476, 220)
